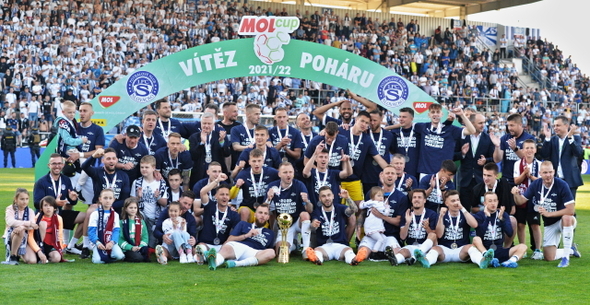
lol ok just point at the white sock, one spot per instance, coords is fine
(400, 258)
(514, 258)
(559, 253)
(73, 242)
(320, 256)
(85, 242)
(432, 256)
(203, 248)
(305, 233)
(475, 255)
(348, 256)
(568, 237)
(219, 260)
(426, 245)
(251, 261)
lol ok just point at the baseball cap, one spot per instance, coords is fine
(133, 131)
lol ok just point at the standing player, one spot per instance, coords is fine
(554, 201)
(404, 182)
(249, 244)
(304, 125)
(152, 140)
(289, 195)
(242, 136)
(323, 175)
(384, 142)
(335, 143)
(331, 219)
(286, 139)
(438, 140)
(166, 124)
(254, 183)
(493, 224)
(407, 141)
(508, 147)
(207, 146)
(129, 154)
(437, 184)
(452, 231)
(271, 157)
(174, 156)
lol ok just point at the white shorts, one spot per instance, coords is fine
(242, 251)
(411, 248)
(452, 255)
(369, 242)
(552, 235)
(333, 250)
(86, 188)
(216, 247)
(293, 230)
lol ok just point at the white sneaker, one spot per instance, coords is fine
(73, 251)
(537, 255)
(183, 259)
(199, 255)
(191, 259)
(162, 259)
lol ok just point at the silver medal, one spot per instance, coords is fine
(536, 208)
(454, 246)
(329, 241)
(208, 159)
(216, 241)
(493, 247)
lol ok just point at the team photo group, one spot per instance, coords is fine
(224, 193)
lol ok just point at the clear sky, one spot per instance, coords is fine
(561, 22)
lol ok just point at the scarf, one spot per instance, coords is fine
(105, 231)
(22, 248)
(525, 184)
(126, 232)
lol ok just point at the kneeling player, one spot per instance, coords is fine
(331, 218)
(452, 230)
(248, 244)
(492, 225)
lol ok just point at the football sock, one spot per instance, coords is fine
(559, 253)
(432, 256)
(475, 255)
(67, 234)
(219, 260)
(251, 261)
(568, 237)
(73, 242)
(85, 242)
(305, 233)
(400, 258)
(348, 256)
(426, 245)
(320, 256)
(514, 258)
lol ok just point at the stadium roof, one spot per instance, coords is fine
(431, 8)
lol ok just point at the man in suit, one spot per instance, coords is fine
(476, 151)
(564, 150)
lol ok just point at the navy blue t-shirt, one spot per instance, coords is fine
(294, 135)
(413, 148)
(361, 149)
(436, 198)
(314, 185)
(559, 196)
(121, 184)
(400, 183)
(165, 164)
(272, 158)
(454, 233)
(491, 229)
(338, 230)
(250, 197)
(173, 125)
(209, 233)
(264, 240)
(340, 144)
(436, 147)
(133, 155)
(95, 136)
(510, 156)
(416, 232)
(371, 171)
(153, 143)
(288, 200)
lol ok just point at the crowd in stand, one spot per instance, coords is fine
(72, 50)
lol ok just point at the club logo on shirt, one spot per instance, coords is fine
(393, 91)
(108, 101)
(142, 87)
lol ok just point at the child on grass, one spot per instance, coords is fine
(48, 240)
(175, 228)
(103, 230)
(19, 220)
(151, 194)
(134, 236)
(374, 226)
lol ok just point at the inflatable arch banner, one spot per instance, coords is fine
(270, 53)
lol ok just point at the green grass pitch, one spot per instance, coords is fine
(82, 282)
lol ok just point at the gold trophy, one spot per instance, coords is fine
(285, 220)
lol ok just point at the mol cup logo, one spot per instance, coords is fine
(142, 87)
(271, 33)
(393, 91)
(108, 101)
(421, 107)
